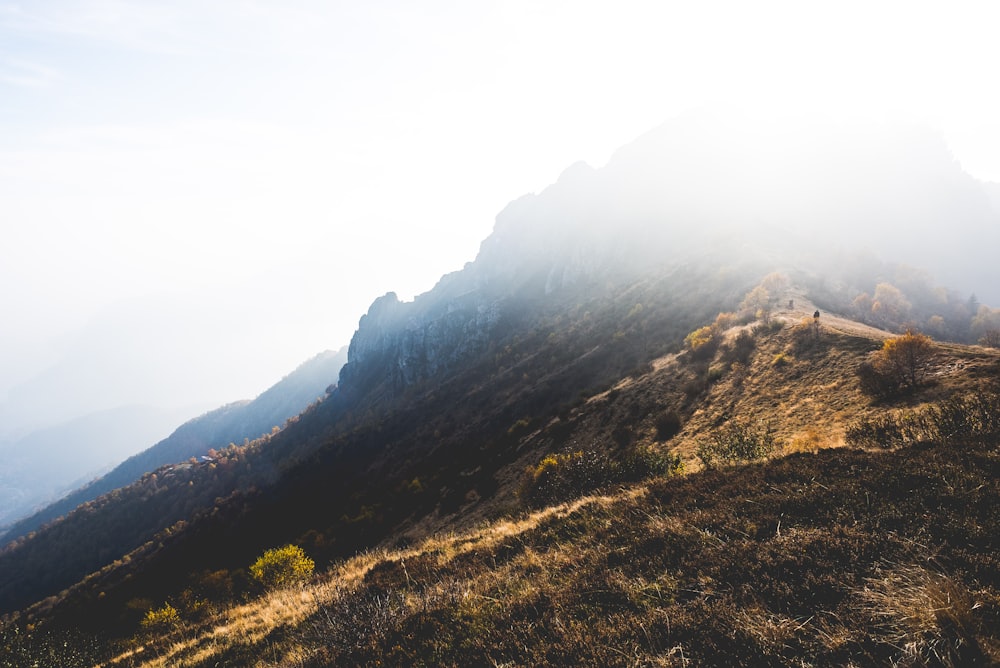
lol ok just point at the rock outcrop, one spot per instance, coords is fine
(704, 185)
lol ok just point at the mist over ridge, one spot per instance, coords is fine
(800, 189)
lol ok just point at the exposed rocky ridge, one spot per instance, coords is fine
(400, 345)
(705, 184)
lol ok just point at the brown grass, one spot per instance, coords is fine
(927, 616)
(253, 623)
(819, 555)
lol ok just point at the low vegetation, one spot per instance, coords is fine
(738, 442)
(847, 557)
(161, 619)
(900, 366)
(562, 476)
(959, 419)
(282, 567)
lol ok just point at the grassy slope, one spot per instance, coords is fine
(832, 555)
(840, 556)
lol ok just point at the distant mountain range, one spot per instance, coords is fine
(46, 464)
(233, 423)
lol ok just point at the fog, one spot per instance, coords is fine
(196, 197)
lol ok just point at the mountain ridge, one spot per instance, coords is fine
(815, 381)
(604, 334)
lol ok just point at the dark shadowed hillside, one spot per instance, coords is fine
(233, 423)
(343, 478)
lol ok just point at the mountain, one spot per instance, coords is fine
(832, 550)
(45, 464)
(504, 456)
(234, 423)
(792, 189)
(146, 351)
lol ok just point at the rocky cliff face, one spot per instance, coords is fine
(702, 185)
(398, 343)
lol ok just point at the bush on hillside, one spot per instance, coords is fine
(875, 383)
(769, 327)
(566, 475)
(282, 567)
(900, 365)
(161, 619)
(971, 417)
(668, 424)
(741, 348)
(702, 342)
(905, 357)
(738, 442)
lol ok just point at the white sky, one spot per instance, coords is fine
(256, 172)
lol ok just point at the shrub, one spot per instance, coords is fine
(641, 463)
(769, 327)
(566, 475)
(757, 304)
(887, 431)
(724, 321)
(741, 349)
(715, 373)
(990, 338)
(161, 619)
(905, 358)
(702, 342)
(875, 383)
(668, 424)
(737, 442)
(282, 566)
(972, 417)
(557, 474)
(900, 365)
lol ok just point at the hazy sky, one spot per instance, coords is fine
(221, 188)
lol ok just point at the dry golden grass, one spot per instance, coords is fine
(251, 623)
(813, 440)
(695, 569)
(927, 615)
